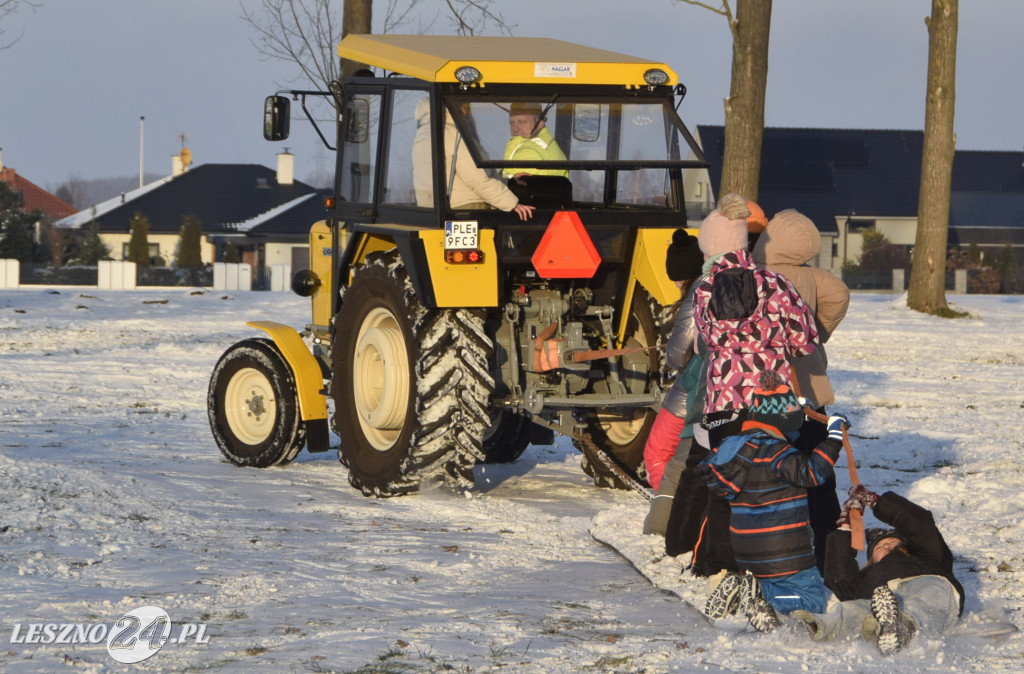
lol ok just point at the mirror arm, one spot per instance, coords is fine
(316, 127)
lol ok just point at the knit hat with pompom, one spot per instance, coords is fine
(725, 228)
(683, 259)
(775, 404)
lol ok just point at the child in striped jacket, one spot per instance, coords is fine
(765, 480)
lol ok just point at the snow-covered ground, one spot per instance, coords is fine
(113, 496)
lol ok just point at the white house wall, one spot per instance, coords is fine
(281, 253)
(168, 244)
(900, 231)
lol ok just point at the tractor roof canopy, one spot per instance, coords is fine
(504, 60)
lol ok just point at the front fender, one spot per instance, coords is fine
(309, 379)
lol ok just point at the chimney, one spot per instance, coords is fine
(285, 168)
(1, 159)
(181, 161)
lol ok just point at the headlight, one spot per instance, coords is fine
(467, 74)
(655, 77)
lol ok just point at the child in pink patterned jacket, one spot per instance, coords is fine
(750, 319)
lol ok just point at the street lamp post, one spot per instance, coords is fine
(142, 145)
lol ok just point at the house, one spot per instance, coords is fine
(851, 180)
(265, 213)
(34, 197)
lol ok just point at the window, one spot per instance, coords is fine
(359, 154)
(616, 150)
(408, 179)
(154, 250)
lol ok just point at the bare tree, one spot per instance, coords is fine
(7, 8)
(744, 109)
(307, 32)
(927, 292)
(57, 243)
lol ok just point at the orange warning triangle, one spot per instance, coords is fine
(566, 250)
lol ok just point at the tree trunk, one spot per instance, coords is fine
(355, 19)
(744, 109)
(928, 274)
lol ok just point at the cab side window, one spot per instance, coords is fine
(359, 154)
(400, 184)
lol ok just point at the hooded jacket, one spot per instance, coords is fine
(751, 320)
(925, 553)
(471, 184)
(679, 351)
(765, 480)
(786, 246)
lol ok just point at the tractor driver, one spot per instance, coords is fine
(531, 140)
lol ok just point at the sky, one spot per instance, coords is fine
(113, 497)
(73, 88)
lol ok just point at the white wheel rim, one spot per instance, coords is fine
(380, 379)
(250, 406)
(625, 431)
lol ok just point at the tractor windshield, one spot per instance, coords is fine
(612, 151)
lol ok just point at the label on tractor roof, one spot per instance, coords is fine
(461, 235)
(554, 70)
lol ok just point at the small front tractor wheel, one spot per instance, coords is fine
(253, 406)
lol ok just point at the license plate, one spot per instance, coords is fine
(461, 235)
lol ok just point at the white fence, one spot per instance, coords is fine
(115, 275)
(232, 276)
(10, 272)
(120, 275)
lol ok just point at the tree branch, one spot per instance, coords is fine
(8, 8)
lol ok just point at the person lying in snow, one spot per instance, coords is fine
(765, 480)
(906, 587)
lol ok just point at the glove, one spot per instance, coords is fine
(844, 517)
(864, 496)
(836, 424)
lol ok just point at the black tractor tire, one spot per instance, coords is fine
(507, 438)
(622, 434)
(410, 384)
(253, 406)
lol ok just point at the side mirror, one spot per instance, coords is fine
(586, 122)
(357, 126)
(276, 117)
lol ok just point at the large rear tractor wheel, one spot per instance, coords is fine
(410, 386)
(253, 406)
(622, 434)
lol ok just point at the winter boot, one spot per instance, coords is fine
(763, 617)
(894, 632)
(749, 594)
(726, 596)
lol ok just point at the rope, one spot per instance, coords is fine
(857, 541)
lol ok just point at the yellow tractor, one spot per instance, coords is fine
(491, 271)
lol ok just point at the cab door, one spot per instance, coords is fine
(358, 166)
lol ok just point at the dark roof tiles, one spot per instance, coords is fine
(830, 173)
